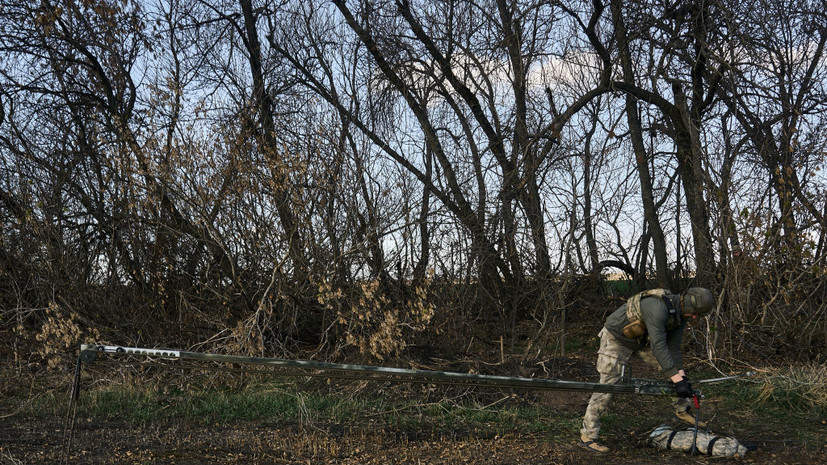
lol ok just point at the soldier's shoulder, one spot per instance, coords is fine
(652, 303)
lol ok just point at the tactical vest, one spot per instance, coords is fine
(636, 327)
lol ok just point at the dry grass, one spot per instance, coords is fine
(802, 387)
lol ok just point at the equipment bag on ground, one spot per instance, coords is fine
(706, 443)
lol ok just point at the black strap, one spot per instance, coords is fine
(669, 441)
(674, 315)
(711, 444)
(669, 304)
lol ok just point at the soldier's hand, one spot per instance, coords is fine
(683, 388)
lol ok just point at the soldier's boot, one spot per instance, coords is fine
(689, 416)
(592, 445)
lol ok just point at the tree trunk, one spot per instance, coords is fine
(269, 146)
(650, 213)
(689, 164)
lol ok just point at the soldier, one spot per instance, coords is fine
(656, 319)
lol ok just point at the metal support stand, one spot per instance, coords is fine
(696, 402)
(71, 414)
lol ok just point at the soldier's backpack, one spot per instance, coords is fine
(636, 327)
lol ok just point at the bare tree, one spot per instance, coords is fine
(641, 156)
(684, 86)
(777, 96)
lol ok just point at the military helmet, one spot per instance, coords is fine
(697, 300)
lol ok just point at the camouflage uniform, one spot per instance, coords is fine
(616, 349)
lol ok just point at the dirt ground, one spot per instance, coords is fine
(173, 442)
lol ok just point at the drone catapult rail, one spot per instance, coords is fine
(90, 353)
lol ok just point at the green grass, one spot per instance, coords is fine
(288, 404)
(470, 416)
(207, 406)
(617, 287)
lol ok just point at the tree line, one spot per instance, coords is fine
(275, 174)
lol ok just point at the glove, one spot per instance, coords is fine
(684, 389)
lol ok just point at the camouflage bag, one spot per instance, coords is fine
(703, 442)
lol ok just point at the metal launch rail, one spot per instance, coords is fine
(91, 353)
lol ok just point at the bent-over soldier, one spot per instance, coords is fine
(656, 319)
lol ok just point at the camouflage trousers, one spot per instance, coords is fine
(611, 360)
